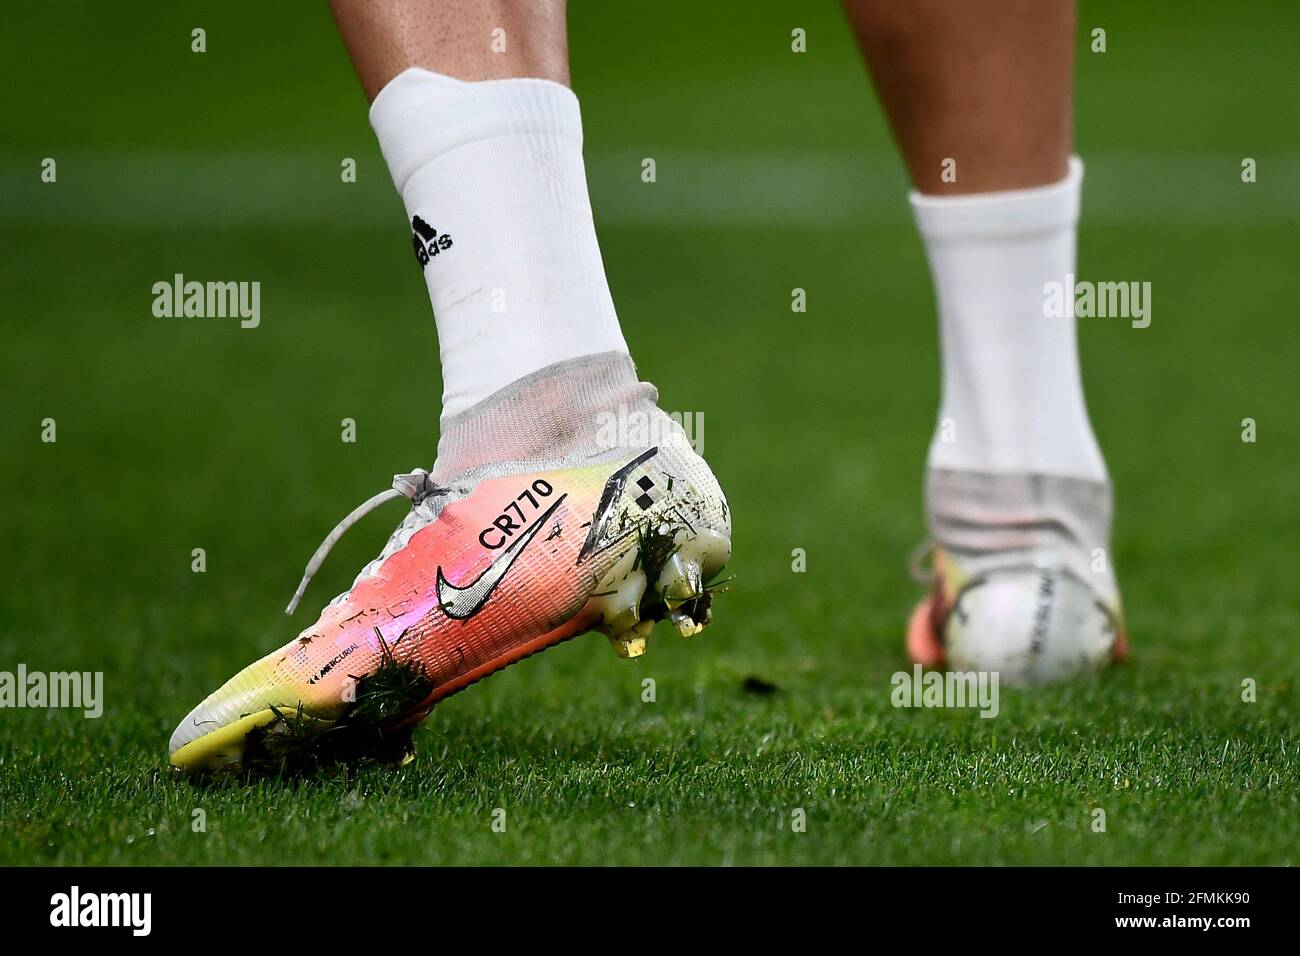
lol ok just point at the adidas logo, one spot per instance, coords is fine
(426, 241)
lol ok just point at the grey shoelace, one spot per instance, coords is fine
(416, 485)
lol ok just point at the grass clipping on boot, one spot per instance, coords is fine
(655, 545)
(292, 745)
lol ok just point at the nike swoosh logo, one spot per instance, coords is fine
(463, 602)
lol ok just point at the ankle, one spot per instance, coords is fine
(560, 414)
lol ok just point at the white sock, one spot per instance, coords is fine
(492, 177)
(1012, 394)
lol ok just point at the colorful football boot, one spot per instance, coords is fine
(503, 559)
(1020, 582)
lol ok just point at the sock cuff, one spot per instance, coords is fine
(420, 115)
(1013, 212)
(1006, 516)
(553, 413)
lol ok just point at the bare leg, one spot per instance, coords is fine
(455, 38)
(984, 82)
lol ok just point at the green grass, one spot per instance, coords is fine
(176, 434)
